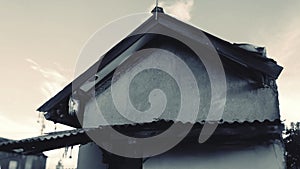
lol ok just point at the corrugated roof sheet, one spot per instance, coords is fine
(3, 139)
(226, 133)
(46, 142)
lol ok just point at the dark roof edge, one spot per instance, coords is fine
(67, 91)
(229, 50)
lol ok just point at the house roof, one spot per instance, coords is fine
(46, 142)
(3, 139)
(250, 60)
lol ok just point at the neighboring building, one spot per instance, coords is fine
(10, 160)
(248, 134)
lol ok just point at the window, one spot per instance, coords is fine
(13, 164)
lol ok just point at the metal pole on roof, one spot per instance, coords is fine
(156, 5)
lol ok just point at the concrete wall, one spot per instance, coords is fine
(90, 157)
(269, 156)
(245, 100)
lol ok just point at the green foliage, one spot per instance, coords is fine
(292, 145)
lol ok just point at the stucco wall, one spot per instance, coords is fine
(245, 100)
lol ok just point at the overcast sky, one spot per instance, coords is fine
(41, 40)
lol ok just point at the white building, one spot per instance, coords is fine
(197, 73)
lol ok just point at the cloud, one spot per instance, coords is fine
(15, 130)
(181, 9)
(54, 80)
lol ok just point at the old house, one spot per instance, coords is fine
(12, 160)
(222, 112)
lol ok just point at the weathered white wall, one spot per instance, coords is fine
(244, 101)
(253, 157)
(90, 157)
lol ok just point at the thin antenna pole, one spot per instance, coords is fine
(156, 5)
